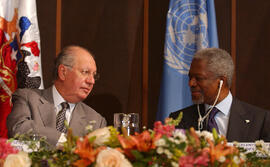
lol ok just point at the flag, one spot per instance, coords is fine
(191, 25)
(20, 59)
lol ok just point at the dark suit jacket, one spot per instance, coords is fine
(34, 109)
(239, 129)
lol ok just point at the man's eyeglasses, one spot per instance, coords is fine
(85, 72)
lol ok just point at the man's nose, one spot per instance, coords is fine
(192, 82)
(90, 79)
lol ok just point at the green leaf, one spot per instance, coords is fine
(215, 135)
(176, 121)
(182, 146)
(139, 164)
(147, 159)
(92, 139)
(138, 155)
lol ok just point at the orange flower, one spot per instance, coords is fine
(127, 145)
(86, 152)
(219, 150)
(126, 142)
(142, 142)
(195, 137)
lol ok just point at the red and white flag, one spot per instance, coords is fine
(20, 58)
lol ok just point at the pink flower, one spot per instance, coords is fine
(191, 160)
(163, 129)
(186, 161)
(6, 149)
(203, 159)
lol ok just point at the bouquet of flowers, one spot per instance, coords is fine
(10, 156)
(162, 146)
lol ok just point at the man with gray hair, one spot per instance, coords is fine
(210, 79)
(45, 111)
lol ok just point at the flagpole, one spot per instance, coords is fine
(233, 43)
(58, 25)
(145, 64)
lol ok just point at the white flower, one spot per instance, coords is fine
(177, 141)
(222, 159)
(174, 164)
(236, 159)
(112, 158)
(89, 128)
(161, 142)
(155, 165)
(168, 153)
(243, 156)
(102, 136)
(235, 143)
(180, 134)
(205, 134)
(262, 147)
(171, 139)
(259, 143)
(160, 150)
(17, 160)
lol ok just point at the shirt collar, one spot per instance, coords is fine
(224, 106)
(58, 99)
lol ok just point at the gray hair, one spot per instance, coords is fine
(219, 62)
(66, 57)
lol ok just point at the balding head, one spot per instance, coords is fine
(66, 57)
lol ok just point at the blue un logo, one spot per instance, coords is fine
(186, 33)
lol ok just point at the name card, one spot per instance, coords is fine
(251, 147)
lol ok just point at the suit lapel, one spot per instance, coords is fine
(239, 122)
(191, 117)
(78, 120)
(46, 108)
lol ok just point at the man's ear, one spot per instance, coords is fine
(62, 70)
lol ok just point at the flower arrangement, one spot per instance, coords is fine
(10, 156)
(162, 146)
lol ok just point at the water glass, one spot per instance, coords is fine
(127, 122)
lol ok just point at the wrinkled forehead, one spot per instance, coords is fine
(200, 66)
(85, 60)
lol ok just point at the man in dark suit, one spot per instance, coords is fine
(210, 78)
(45, 111)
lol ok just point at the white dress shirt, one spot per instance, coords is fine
(57, 100)
(222, 117)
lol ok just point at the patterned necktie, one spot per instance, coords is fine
(211, 121)
(61, 117)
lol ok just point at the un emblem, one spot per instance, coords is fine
(186, 33)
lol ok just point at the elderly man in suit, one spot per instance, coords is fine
(45, 111)
(210, 78)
